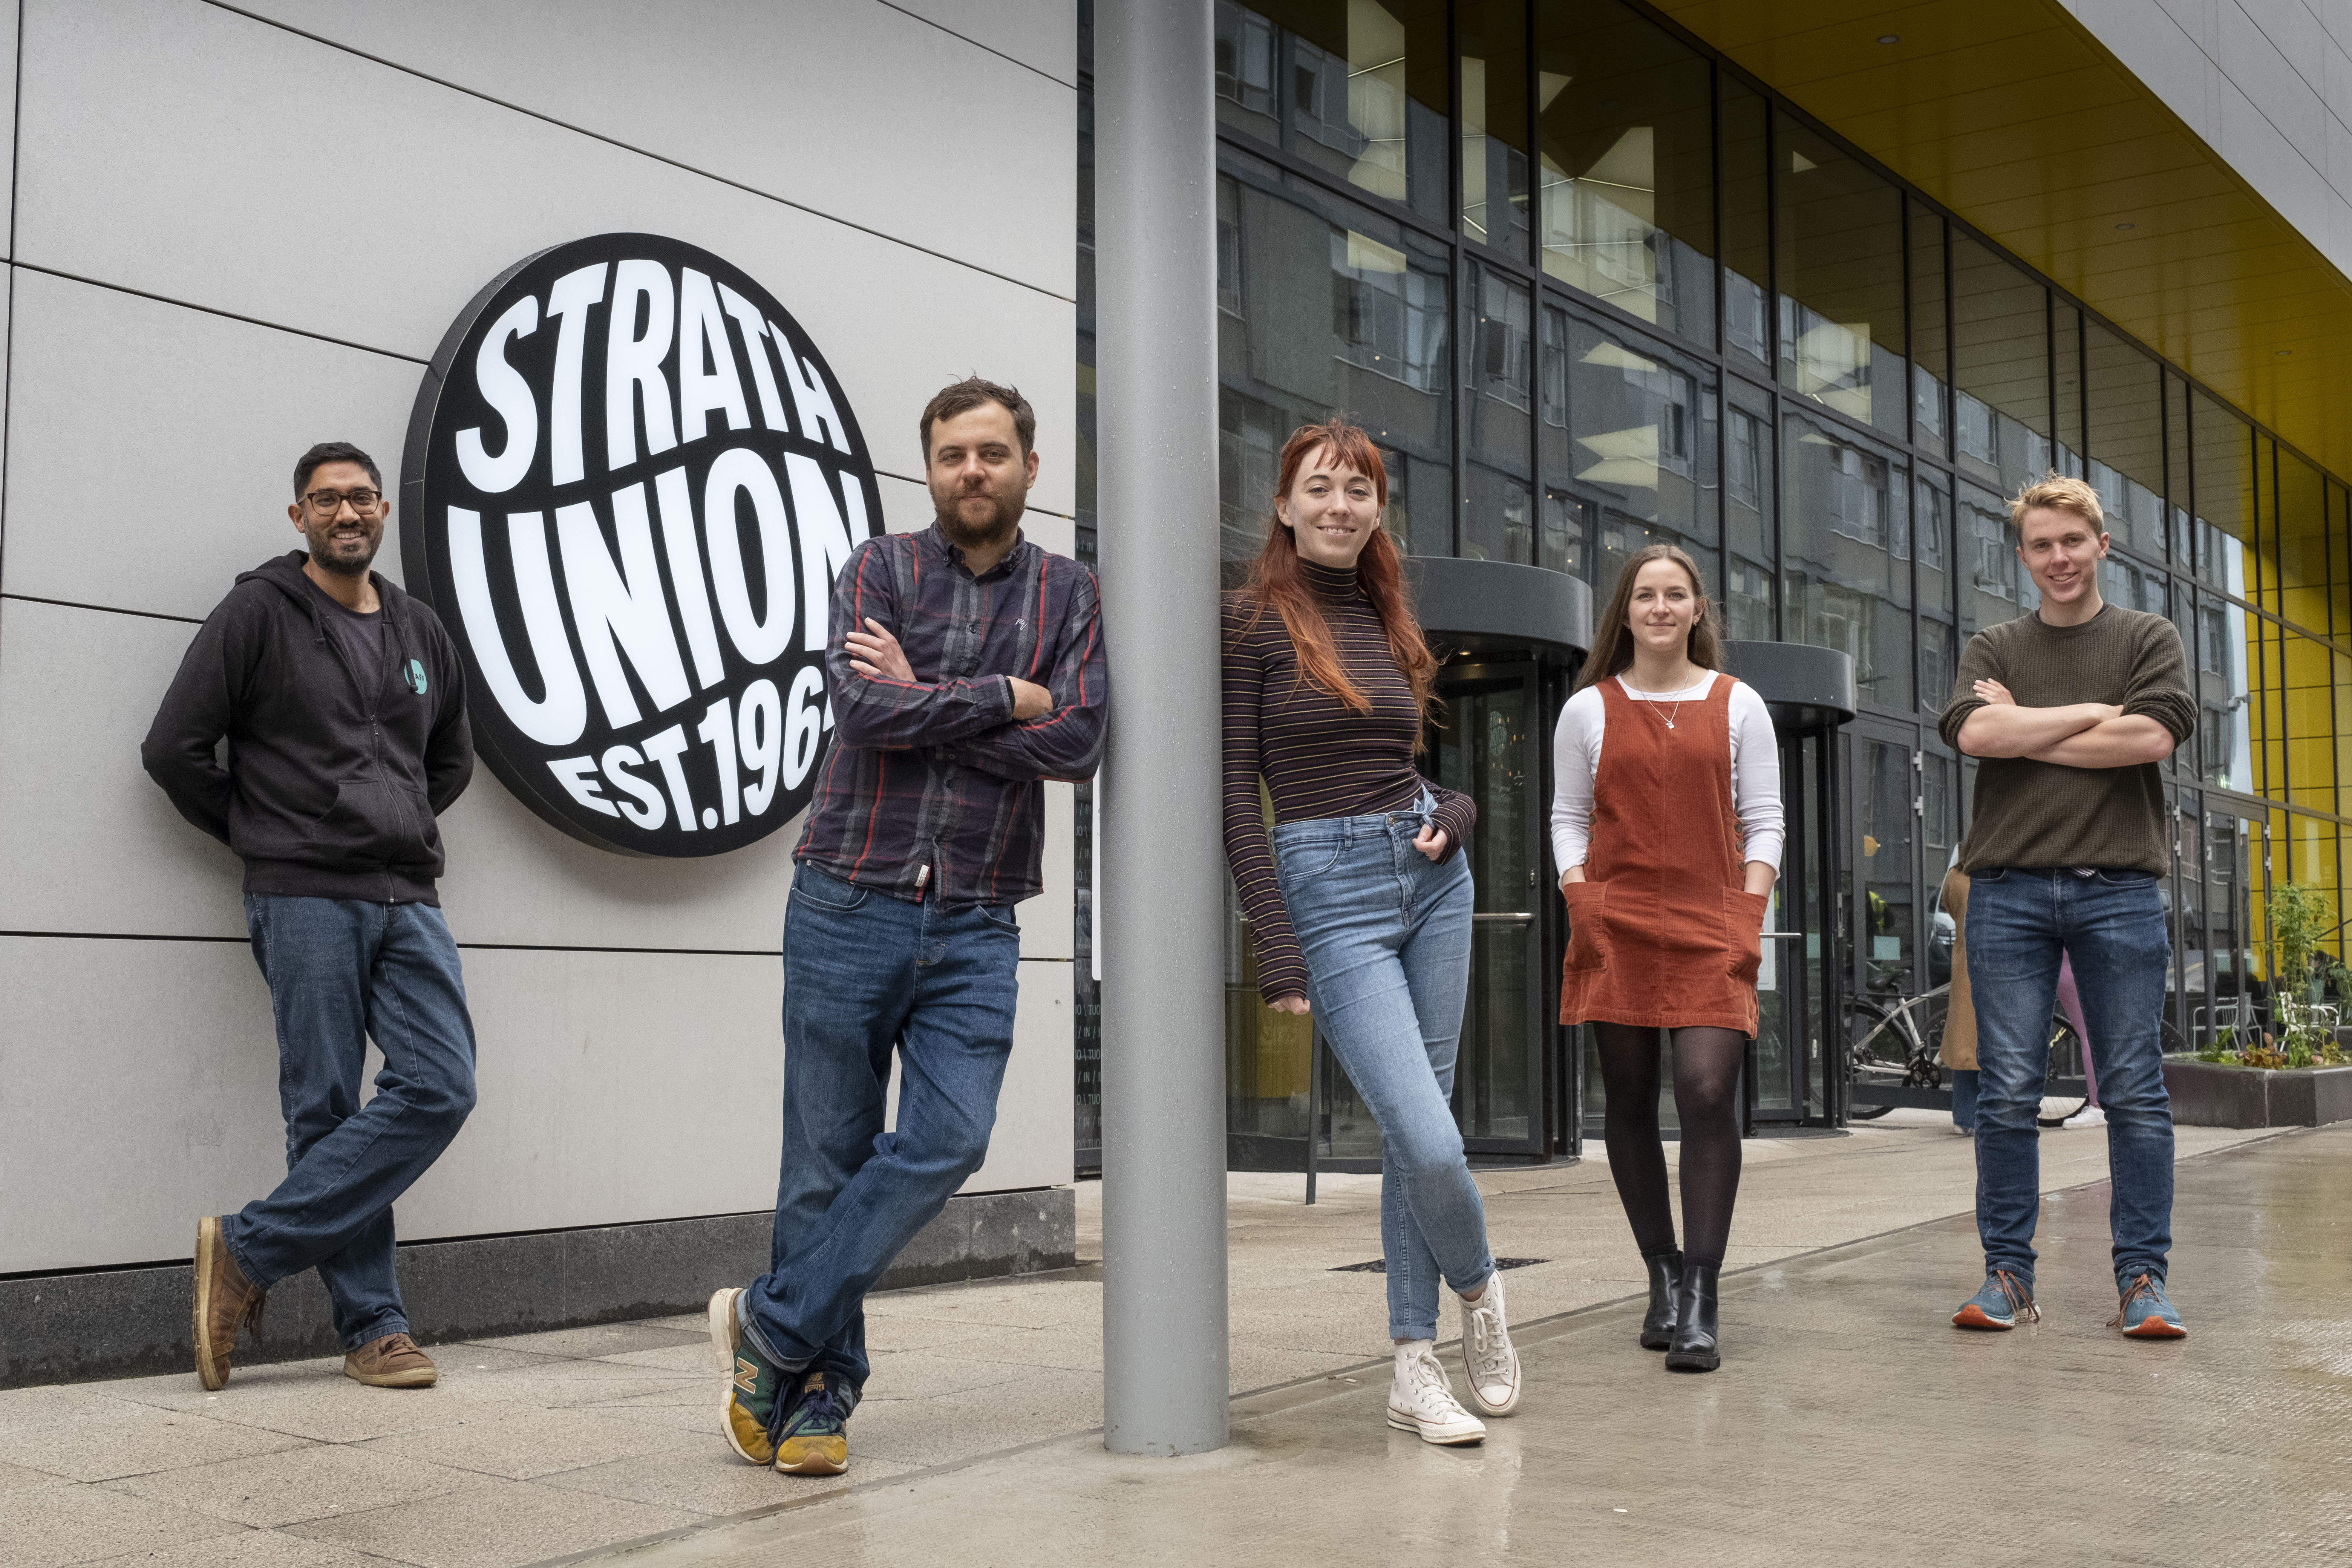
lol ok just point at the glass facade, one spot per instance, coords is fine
(1592, 288)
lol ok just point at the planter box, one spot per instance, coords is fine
(2208, 1094)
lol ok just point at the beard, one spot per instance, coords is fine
(323, 550)
(993, 530)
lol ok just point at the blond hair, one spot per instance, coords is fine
(2059, 492)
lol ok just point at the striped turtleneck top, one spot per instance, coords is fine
(1319, 757)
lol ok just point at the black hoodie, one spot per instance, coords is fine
(329, 791)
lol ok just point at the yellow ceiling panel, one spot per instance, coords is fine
(2012, 115)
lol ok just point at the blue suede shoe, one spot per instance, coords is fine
(2004, 1300)
(2144, 1313)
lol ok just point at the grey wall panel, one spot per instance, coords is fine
(182, 190)
(848, 107)
(219, 409)
(10, 16)
(1043, 38)
(140, 1085)
(95, 845)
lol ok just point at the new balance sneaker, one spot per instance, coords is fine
(1420, 1399)
(2144, 1313)
(812, 1435)
(2004, 1300)
(1490, 1364)
(2089, 1116)
(747, 1407)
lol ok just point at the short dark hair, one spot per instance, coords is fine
(968, 395)
(326, 452)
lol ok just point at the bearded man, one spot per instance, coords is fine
(343, 703)
(965, 667)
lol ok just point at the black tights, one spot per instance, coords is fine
(1707, 1081)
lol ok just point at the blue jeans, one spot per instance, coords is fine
(2111, 924)
(865, 974)
(341, 970)
(1386, 935)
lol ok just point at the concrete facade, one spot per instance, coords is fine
(236, 232)
(2268, 85)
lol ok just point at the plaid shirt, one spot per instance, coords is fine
(932, 789)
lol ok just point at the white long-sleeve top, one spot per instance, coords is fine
(1755, 768)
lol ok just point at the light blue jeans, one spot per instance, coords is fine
(1386, 935)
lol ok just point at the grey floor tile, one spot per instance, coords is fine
(306, 1483)
(495, 1525)
(711, 1479)
(247, 1548)
(44, 1526)
(126, 1440)
(599, 1340)
(529, 1444)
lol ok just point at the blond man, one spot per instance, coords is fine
(2071, 711)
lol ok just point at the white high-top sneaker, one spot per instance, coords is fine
(1422, 1400)
(1492, 1365)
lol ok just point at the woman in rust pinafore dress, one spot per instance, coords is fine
(1666, 823)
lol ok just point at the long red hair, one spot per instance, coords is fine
(1275, 581)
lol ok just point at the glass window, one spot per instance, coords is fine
(2123, 406)
(1565, 528)
(1641, 426)
(1326, 306)
(1493, 37)
(2303, 544)
(1845, 558)
(1841, 255)
(1749, 454)
(1627, 165)
(1497, 519)
(2125, 582)
(1747, 228)
(2222, 451)
(2066, 349)
(2001, 370)
(1355, 87)
(2221, 656)
(1994, 585)
(1939, 644)
(2178, 500)
(1931, 368)
(2307, 701)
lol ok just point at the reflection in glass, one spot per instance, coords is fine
(2000, 355)
(2066, 349)
(2301, 547)
(1626, 169)
(1840, 276)
(2307, 698)
(1498, 522)
(1931, 369)
(1886, 878)
(1940, 644)
(1747, 492)
(2125, 438)
(1642, 429)
(1747, 228)
(1846, 556)
(1564, 543)
(2223, 694)
(1493, 37)
(1485, 751)
(1355, 87)
(1996, 587)
(2125, 582)
(1324, 306)
(2224, 448)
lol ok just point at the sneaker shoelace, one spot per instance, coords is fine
(2142, 1286)
(1427, 1384)
(1487, 1337)
(2019, 1299)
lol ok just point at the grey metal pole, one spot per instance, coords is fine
(1164, 1347)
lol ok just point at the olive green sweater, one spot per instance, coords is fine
(2046, 813)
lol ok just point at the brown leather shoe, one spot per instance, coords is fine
(225, 1302)
(392, 1362)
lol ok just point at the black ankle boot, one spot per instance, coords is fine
(1694, 1347)
(1665, 1276)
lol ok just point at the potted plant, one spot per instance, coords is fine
(2290, 1072)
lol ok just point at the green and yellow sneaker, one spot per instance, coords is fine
(748, 1401)
(813, 1437)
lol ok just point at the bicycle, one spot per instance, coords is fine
(1899, 1045)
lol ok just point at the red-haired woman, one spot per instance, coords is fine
(1666, 824)
(1359, 902)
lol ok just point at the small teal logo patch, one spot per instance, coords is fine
(414, 675)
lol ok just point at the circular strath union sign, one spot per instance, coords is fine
(629, 483)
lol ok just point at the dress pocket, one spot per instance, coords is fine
(1743, 932)
(1588, 927)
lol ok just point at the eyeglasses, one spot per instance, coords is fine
(327, 503)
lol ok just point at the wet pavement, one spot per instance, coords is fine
(1849, 1422)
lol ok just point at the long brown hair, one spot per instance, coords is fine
(1275, 581)
(1613, 646)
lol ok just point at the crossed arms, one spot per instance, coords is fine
(2078, 735)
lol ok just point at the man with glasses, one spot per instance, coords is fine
(343, 704)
